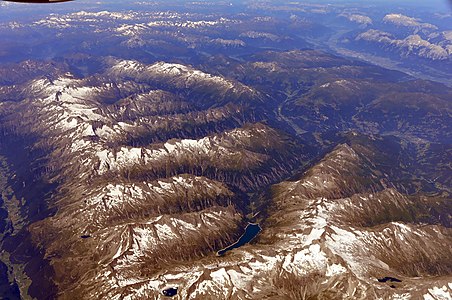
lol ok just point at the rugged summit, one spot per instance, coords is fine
(142, 185)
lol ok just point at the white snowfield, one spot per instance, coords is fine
(439, 293)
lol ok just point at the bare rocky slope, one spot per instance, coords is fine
(125, 184)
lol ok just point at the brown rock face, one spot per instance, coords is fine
(140, 174)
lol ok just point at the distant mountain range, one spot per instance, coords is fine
(130, 158)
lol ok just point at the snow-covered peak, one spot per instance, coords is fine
(402, 20)
(177, 75)
(358, 18)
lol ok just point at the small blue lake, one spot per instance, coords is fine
(251, 231)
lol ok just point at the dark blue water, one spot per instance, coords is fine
(387, 278)
(170, 292)
(250, 232)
